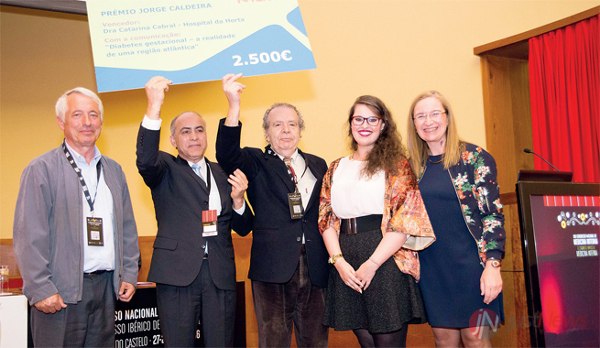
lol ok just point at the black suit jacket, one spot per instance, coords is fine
(277, 239)
(179, 199)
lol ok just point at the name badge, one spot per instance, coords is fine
(296, 208)
(209, 223)
(94, 231)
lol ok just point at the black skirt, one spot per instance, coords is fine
(391, 300)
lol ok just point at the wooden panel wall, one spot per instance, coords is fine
(512, 333)
(507, 112)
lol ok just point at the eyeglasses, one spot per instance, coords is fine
(359, 120)
(434, 115)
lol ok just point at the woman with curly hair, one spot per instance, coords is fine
(460, 273)
(372, 219)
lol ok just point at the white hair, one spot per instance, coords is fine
(61, 104)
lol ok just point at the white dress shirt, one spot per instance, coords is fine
(96, 257)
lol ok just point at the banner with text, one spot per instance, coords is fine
(192, 41)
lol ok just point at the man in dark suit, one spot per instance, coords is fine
(193, 260)
(288, 264)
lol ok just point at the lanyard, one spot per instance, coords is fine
(290, 170)
(86, 192)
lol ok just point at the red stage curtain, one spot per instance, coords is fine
(564, 80)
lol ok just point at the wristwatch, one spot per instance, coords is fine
(495, 262)
(334, 258)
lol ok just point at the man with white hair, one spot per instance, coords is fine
(75, 237)
(288, 262)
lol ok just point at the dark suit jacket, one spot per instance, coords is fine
(277, 239)
(179, 199)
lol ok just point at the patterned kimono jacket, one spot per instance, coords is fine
(403, 212)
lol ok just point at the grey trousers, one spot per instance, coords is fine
(297, 304)
(89, 323)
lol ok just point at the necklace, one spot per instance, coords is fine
(441, 159)
(353, 159)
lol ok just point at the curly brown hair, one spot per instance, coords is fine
(388, 150)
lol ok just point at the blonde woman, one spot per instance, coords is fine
(460, 272)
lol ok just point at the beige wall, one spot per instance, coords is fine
(391, 49)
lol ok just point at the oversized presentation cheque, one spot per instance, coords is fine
(191, 41)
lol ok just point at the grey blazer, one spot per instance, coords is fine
(48, 229)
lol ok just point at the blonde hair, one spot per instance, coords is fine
(418, 149)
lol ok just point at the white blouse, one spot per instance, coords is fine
(352, 196)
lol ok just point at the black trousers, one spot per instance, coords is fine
(89, 323)
(180, 309)
(297, 303)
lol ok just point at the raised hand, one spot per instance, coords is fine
(232, 89)
(155, 91)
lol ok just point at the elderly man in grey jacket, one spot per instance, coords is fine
(75, 237)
